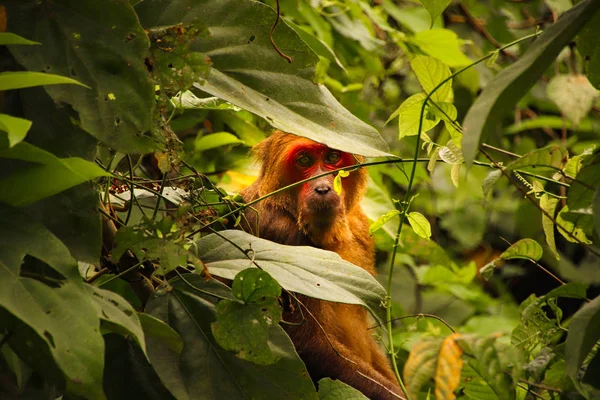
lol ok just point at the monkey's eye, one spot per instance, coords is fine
(332, 157)
(304, 160)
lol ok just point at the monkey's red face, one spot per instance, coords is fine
(306, 159)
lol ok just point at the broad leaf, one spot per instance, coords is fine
(420, 224)
(500, 95)
(549, 159)
(421, 364)
(330, 389)
(111, 63)
(447, 374)
(248, 72)
(435, 8)
(443, 44)
(587, 180)
(46, 176)
(430, 73)
(16, 128)
(207, 371)
(25, 79)
(573, 95)
(314, 272)
(588, 47)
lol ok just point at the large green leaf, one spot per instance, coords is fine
(584, 332)
(205, 370)
(314, 272)
(24, 79)
(247, 71)
(500, 95)
(102, 45)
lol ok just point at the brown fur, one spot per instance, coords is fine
(289, 218)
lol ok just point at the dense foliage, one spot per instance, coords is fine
(125, 128)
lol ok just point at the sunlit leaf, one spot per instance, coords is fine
(375, 226)
(420, 224)
(443, 44)
(435, 8)
(409, 114)
(430, 73)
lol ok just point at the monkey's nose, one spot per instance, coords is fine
(322, 189)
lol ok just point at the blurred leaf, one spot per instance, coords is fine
(430, 73)
(421, 364)
(584, 332)
(330, 389)
(415, 19)
(314, 272)
(548, 159)
(490, 180)
(421, 248)
(435, 8)
(550, 121)
(25, 79)
(502, 93)
(573, 95)
(102, 46)
(188, 100)
(596, 211)
(420, 224)
(201, 370)
(317, 45)
(452, 153)
(214, 140)
(449, 365)
(587, 181)
(443, 44)
(47, 176)
(16, 128)
(247, 72)
(548, 204)
(7, 38)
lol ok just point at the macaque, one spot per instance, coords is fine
(332, 339)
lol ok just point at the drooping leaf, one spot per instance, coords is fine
(16, 128)
(381, 221)
(157, 329)
(548, 204)
(443, 44)
(248, 72)
(435, 8)
(201, 370)
(488, 183)
(111, 63)
(512, 83)
(452, 153)
(307, 270)
(584, 332)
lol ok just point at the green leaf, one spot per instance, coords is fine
(157, 329)
(584, 332)
(587, 180)
(47, 176)
(409, 114)
(549, 159)
(452, 153)
(244, 329)
(502, 93)
(375, 226)
(214, 140)
(423, 249)
(430, 73)
(596, 211)
(570, 230)
(252, 285)
(420, 224)
(548, 204)
(25, 79)
(8, 38)
(443, 44)
(549, 121)
(573, 94)
(247, 72)
(199, 372)
(435, 8)
(588, 48)
(490, 180)
(330, 389)
(314, 272)
(421, 364)
(527, 249)
(16, 128)
(102, 46)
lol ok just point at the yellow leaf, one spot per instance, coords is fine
(447, 374)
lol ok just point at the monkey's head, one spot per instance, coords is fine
(287, 159)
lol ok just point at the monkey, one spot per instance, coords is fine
(331, 338)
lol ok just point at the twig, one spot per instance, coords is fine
(288, 58)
